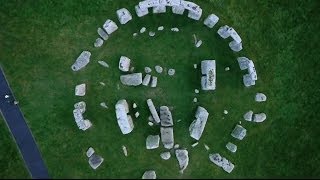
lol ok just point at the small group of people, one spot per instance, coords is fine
(9, 99)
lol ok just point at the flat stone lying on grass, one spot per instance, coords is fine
(176, 146)
(137, 114)
(171, 72)
(208, 70)
(124, 120)
(195, 144)
(197, 126)
(143, 29)
(167, 137)
(183, 159)
(95, 161)
(165, 116)
(102, 34)
(134, 105)
(239, 132)
(227, 69)
(206, 147)
(109, 26)
(98, 42)
(158, 69)
(211, 20)
(231, 147)
(153, 111)
(80, 90)
(154, 81)
(152, 141)
(104, 105)
(235, 46)
(124, 16)
(147, 70)
(125, 151)
(151, 33)
(81, 61)
(149, 175)
(150, 123)
(195, 66)
(165, 155)
(222, 162)
(124, 63)
(195, 100)
(248, 116)
(90, 152)
(146, 80)
(175, 29)
(259, 117)
(225, 112)
(134, 79)
(135, 34)
(260, 97)
(199, 43)
(102, 83)
(103, 63)
(81, 106)
(160, 28)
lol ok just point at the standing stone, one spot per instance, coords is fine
(175, 29)
(104, 105)
(158, 69)
(134, 79)
(81, 106)
(165, 116)
(109, 26)
(151, 33)
(195, 100)
(153, 111)
(124, 149)
(183, 159)
(165, 155)
(152, 141)
(137, 114)
(103, 34)
(195, 66)
(197, 126)
(150, 123)
(146, 80)
(222, 162)
(123, 15)
(225, 112)
(206, 147)
(225, 31)
(259, 117)
(81, 61)
(124, 63)
(147, 70)
(90, 152)
(104, 64)
(135, 34)
(171, 72)
(80, 90)
(243, 62)
(235, 46)
(178, 9)
(260, 97)
(141, 11)
(248, 116)
(95, 161)
(176, 146)
(167, 137)
(199, 43)
(124, 120)
(248, 81)
(134, 105)
(239, 132)
(98, 42)
(208, 80)
(142, 30)
(196, 91)
(154, 81)
(160, 28)
(102, 83)
(211, 20)
(149, 175)
(231, 147)
(227, 69)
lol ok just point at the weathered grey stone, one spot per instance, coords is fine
(154, 81)
(81, 106)
(134, 79)
(80, 90)
(235, 36)
(211, 20)
(231, 147)
(81, 123)
(109, 26)
(81, 61)
(98, 42)
(178, 9)
(102, 83)
(152, 141)
(248, 116)
(149, 175)
(165, 116)
(160, 28)
(196, 91)
(141, 11)
(183, 159)
(227, 69)
(222, 162)
(176, 146)
(124, 63)
(147, 70)
(199, 43)
(143, 29)
(134, 105)
(104, 105)
(137, 114)
(131, 69)
(104, 64)
(239, 132)
(124, 15)
(243, 62)
(153, 111)
(197, 126)
(195, 144)
(175, 29)
(195, 100)
(208, 68)
(151, 33)
(158, 69)
(248, 81)
(159, 9)
(206, 147)
(150, 123)
(195, 66)
(124, 120)
(167, 137)
(260, 97)
(146, 80)
(165, 155)
(90, 152)
(235, 46)
(259, 117)
(95, 161)
(225, 31)
(171, 72)
(124, 150)
(103, 34)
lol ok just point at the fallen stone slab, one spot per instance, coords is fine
(248, 116)
(159, 9)
(103, 34)
(222, 162)
(197, 126)
(167, 137)
(195, 144)
(158, 69)
(152, 141)
(104, 64)
(90, 152)
(225, 31)
(153, 111)
(208, 69)
(124, 63)
(137, 114)
(146, 80)
(125, 151)
(95, 161)
(183, 159)
(239, 132)
(198, 44)
(124, 120)
(147, 70)
(165, 155)
(124, 16)
(81, 61)
(104, 105)
(260, 97)
(154, 81)
(175, 29)
(235, 46)
(160, 28)
(98, 42)
(259, 117)
(231, 147)
(165, 116)
(134, 79)
(142, 30)
(80, 90)
(149, 175)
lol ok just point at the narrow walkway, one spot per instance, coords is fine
(21, 132)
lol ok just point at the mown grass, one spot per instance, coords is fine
(40, 41)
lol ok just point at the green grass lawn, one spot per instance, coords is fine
(40, 40)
